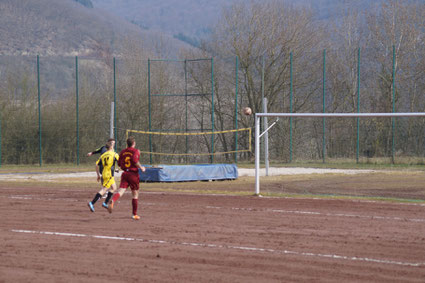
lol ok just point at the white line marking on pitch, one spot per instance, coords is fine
(325, 214)
(29, 197)
(44, 199)
(267, 197)
(333, 256)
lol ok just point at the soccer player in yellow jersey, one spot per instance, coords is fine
(107, 162)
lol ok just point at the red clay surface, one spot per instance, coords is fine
(49, 235)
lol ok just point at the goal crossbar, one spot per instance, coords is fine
(258, 116)
(353, 115)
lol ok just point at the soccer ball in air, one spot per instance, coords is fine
(247, 111)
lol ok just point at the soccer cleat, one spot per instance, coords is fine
(135, 217)
(105, 205)
(111, 206)
(91, 206)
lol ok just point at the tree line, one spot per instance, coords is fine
(367, 61)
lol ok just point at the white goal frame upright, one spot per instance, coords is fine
(258, 116)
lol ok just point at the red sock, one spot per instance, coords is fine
(115, 197)
(134, 202)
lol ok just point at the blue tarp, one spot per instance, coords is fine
(180, 173)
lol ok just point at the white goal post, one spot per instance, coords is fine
(258, 135)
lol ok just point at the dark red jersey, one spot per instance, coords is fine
(128, 159)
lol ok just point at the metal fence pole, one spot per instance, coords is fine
(324, 106)
(257, 154)
(77, 110)
(0, 140)
(111, 121)
(358, 106)
(115, 105)
(212, 110)
(186, 110)
(262, 94)
(149, 108)
(393, 110)
(290, 105)
(39, 110)
(266, 138)
(236, 107)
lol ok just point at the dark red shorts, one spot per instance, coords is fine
(130, 179)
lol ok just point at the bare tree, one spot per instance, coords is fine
(348, 34)
(262, 35)
(397, 24)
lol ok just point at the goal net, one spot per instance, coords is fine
(192, 147)
(402, 129)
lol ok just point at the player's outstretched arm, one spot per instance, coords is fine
(138, 162)
(99, 150)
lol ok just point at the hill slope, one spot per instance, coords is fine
(191, 17)
(65, 27)
(194, 18)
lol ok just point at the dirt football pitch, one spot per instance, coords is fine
(334, 228)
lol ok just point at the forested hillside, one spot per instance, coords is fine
(68, 27)
(191, 20)
(190, 17)
(301, 58)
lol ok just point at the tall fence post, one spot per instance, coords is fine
(115, 104)
(266, 137)
(257, 154)
(262, 95)
(150, 109)
(290, 105)
(358, 107)
(77, 110)
(324, 106)
(39, 110)
(186, 111)
(212, 110)
(393, 110)
(111, 121)
(236, 107)
(0, 139)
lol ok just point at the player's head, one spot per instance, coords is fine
(112, 140)
(131, 141)
(109, 145)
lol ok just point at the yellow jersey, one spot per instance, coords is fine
(107, 163)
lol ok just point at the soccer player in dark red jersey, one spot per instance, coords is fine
(129, 163)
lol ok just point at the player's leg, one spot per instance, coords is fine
(134, 204)
(102, 182)
(135, 193)
(112, 187)
(123, 186)
(110, 193)
(96, 198)
(115, 198)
